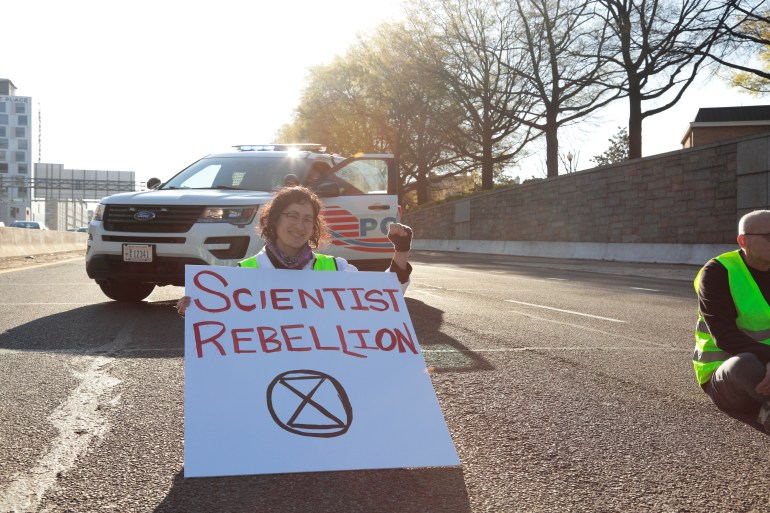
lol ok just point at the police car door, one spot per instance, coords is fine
(359, 207)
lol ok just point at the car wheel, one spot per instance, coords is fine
(126, 291)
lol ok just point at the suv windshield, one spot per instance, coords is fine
(253, 173)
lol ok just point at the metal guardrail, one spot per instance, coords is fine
(63, 188)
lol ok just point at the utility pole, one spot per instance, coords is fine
(39, 134)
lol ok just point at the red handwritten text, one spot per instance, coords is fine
(216, 298)
(214, 338)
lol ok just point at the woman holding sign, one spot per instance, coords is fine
(292, 227)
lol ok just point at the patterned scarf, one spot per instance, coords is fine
(284, 261)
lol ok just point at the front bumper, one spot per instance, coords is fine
(162, 271)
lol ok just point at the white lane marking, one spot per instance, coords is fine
(508, 274)
(24, 268)
(433, 295)
(427, 285)
(564, 311)
(632, 338)
(79, 422)
(642, 288)
(471, 290)
(556, 348)
(47, 284)
(93, 352)
(556, 279)
(40, 304)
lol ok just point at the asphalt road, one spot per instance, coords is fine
(566, 387)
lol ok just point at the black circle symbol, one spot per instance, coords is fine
(309, 403)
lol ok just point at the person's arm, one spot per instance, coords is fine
(718, 309)
(182, 305)
(401, 237)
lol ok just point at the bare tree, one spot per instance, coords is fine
(744, 37)
(566, 67)
(416, 109)
(660, 45)
(468, 45)
(379, 97)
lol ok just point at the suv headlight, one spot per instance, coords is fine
(236, 215)
(99, 212)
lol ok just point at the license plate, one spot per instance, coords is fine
(137, 252)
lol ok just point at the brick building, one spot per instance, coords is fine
(716, 124)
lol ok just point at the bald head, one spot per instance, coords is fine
(755, 222)
(754, 239)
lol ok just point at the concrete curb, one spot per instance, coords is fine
(19, 242)
(690, 254)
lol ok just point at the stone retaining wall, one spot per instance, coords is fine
(688, 197)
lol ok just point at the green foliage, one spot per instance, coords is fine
(618, 150)
(750, 82)
(336, 108)
(383, 96)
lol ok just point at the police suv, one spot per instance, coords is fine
(207, 215)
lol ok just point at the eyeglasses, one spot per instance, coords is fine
(765, 236)
(296, 218)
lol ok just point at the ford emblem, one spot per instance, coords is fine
(144, 215)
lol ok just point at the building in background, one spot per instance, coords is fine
(15, 154)
(61, 198)
(69, 194)
(715, 124)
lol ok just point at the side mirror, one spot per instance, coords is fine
(327, 189)
(153, 183)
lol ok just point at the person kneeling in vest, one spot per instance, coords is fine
(292, 227)
(732, 337)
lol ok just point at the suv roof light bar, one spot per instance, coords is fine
(281, 147)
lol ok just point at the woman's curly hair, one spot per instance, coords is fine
(270, 213)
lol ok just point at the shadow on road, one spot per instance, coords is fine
(155, 330)
(442, 352)
(147, 329)
(425, 490)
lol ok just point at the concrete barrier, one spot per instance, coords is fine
(19, 242)
(692, 254)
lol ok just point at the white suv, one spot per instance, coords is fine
(207, 214)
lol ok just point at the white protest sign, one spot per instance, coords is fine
(301, 371)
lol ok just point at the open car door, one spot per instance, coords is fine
(360, 196)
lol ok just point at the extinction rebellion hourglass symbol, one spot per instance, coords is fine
(309, 403)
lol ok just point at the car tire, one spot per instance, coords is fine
(126, 291)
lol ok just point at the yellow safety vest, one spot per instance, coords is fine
(753, 316)
(322, 263)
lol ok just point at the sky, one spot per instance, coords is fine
(660, 133)
(151, 86)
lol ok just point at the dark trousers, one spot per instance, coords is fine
(732, 388)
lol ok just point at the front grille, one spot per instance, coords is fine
(144, 240)
(168, 218)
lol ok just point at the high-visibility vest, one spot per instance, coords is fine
(322, 263)
(753, 316)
